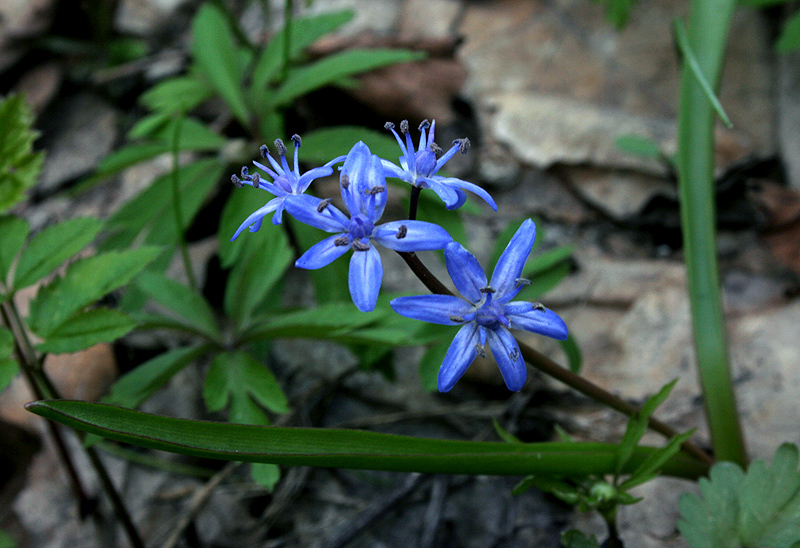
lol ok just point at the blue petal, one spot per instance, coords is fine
(391, 170)
(304, 208)
(543, 322)
(507, 355)
(310, 175)
(257, 215)
(419, 236)
(266, 169)
(512, 261)
(365, 173)
(459, 356)
(439, 309)
(364, 279)
(448, 195)
(353, 168)
(465, 271)
(475, 189)
(322, 253)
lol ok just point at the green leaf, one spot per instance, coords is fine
(266, 258)
(8, 365)
(216, 57)
(194, 135)
(789, 38)
(334, 67)
(19, 165)
(242, 202)
(431, 208)
(85, 329)
(305, 31)
(136, 386)
(430, 364)
(192, 309)
(322, 145)
(618, 11)
(266, 475)
(573, 352)
(691, 61)
(576, 539)
(179, 94)
(240, 378)
(330, 283)
(755, 509)
(637, 425)
(52, 246)
(354, 449)
(504, 434)
(13, 231)
(639, 146)
(650, 467)
(7, 541)
(84, 283)
(151, 210)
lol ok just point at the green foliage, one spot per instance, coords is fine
(789, 39)
(576, 539)
(618, 11)
(52, 246)
(8, 365)
(57, 313)
(19, 165)
(322, 145)
(6, 540)
(191, 309)
(574, 355)
(639, 146)
(13, 232)
(757, 508)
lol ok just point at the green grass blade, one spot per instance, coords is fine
(352, 449)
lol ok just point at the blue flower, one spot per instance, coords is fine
(419, 168)
(486, 313)
(288, 184)
(363, 188)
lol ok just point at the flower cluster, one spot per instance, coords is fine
(485, 313)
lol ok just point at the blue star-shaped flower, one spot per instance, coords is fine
(486, 313)
(363, 188)
(288, 184)
(419, 168)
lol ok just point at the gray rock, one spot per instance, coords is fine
(144, 17)
(21, 19)
(789, 114)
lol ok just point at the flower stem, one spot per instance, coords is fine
(412, 208)
(549, 367)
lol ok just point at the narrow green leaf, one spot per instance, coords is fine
(354, 449)
(136, 386)
(52, 246)
(147, 126)
(179, 94)
(84, 283)
(313, 323)
(215, 53)
(637, 425)
(430, 364)
(789, 38)
(504, 434)
(19, 165)
(322, 145)
(573, 352)
(639, 146)
(85, 329)
(191, 307)
(256, 272)
(649, 468)
(13, 231)
(691, 61)
(305, 31)
(334, 67)
(8, 365)
(128, 156)
(194, 135)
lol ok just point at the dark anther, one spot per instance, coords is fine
(376, 190)
(425, 124)
(488, 289)
(245, 174)
(401, 232)
(281, 147)
(264, 151)
(436, 149)
(323, 204)
(458, 319)
(388, 125)
(341, 241)
(236, 182)
(358, 245)
(514, 354)
(256, 178)
(522, 281)
(539, 307)
(481, 350)
(297, 140)
(463, 145)
(344, 180)
(404, 126)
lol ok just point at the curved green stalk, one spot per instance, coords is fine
(353, 449)
(709, 23)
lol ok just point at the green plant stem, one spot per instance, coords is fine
(709, 23)
(549, 367)
(287, 38)
(42, 386)
(236, 28)
(176, 204)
